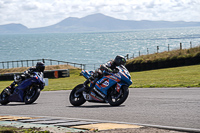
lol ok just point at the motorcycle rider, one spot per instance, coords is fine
(110, 67)
(38, 68)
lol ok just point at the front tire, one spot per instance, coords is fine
(4, 98)
(77, 100)
(117, 98)
(31, 95)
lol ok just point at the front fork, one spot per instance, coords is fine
(117, 87)
(86, 87)
(77, 93)
(117, 91)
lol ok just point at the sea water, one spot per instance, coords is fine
(95, 48)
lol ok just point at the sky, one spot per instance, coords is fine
(40, 13)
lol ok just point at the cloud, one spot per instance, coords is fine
(30, 6)
(38, 13)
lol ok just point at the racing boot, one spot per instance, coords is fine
(7, 90)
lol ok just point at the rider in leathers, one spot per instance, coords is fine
(38, 68)
(108, 67)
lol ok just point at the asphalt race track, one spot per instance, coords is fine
(177, 107)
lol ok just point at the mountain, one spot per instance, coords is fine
(13, 28)
(95, 23)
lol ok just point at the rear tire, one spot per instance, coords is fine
(77, 101)
(115, 99)
(4, 98)
(31, 95)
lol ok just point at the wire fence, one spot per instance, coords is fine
(29, 63)
(128, 56)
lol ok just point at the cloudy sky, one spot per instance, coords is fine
(39, 13)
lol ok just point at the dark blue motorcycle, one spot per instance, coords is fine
(27, 90)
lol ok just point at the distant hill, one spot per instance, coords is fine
(13, 28)
(95, 23)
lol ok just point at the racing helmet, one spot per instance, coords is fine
(119, 60)
(40, 67)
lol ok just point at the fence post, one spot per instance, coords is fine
(168, 47)
(180, 46)
(7, 64)
(147, 51)
(157, 48)
(27, 63)
(190, 44)
(139, 53)
(127, 56)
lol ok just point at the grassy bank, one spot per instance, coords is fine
(164, 56)
(187, 76)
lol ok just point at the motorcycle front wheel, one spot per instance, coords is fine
(117, 98)
(4, 98)
(77, 99)
(31, 94)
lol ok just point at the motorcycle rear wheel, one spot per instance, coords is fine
(77, 101)
(31, 95)
(115, 98)
(4, 98)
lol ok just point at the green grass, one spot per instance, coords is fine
(186, 76)
(66, 83)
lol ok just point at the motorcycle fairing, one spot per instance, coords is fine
(18, 94)
(92, 97)
(106, 82)
(124, 75)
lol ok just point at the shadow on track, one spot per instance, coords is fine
(18, 104)
(95, 106)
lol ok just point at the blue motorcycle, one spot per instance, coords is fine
(27, 90)
(112, 88)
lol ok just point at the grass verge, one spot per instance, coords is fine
(186, 76)
(4, 129)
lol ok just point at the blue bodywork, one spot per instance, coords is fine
(18, 94)
(109, 80)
